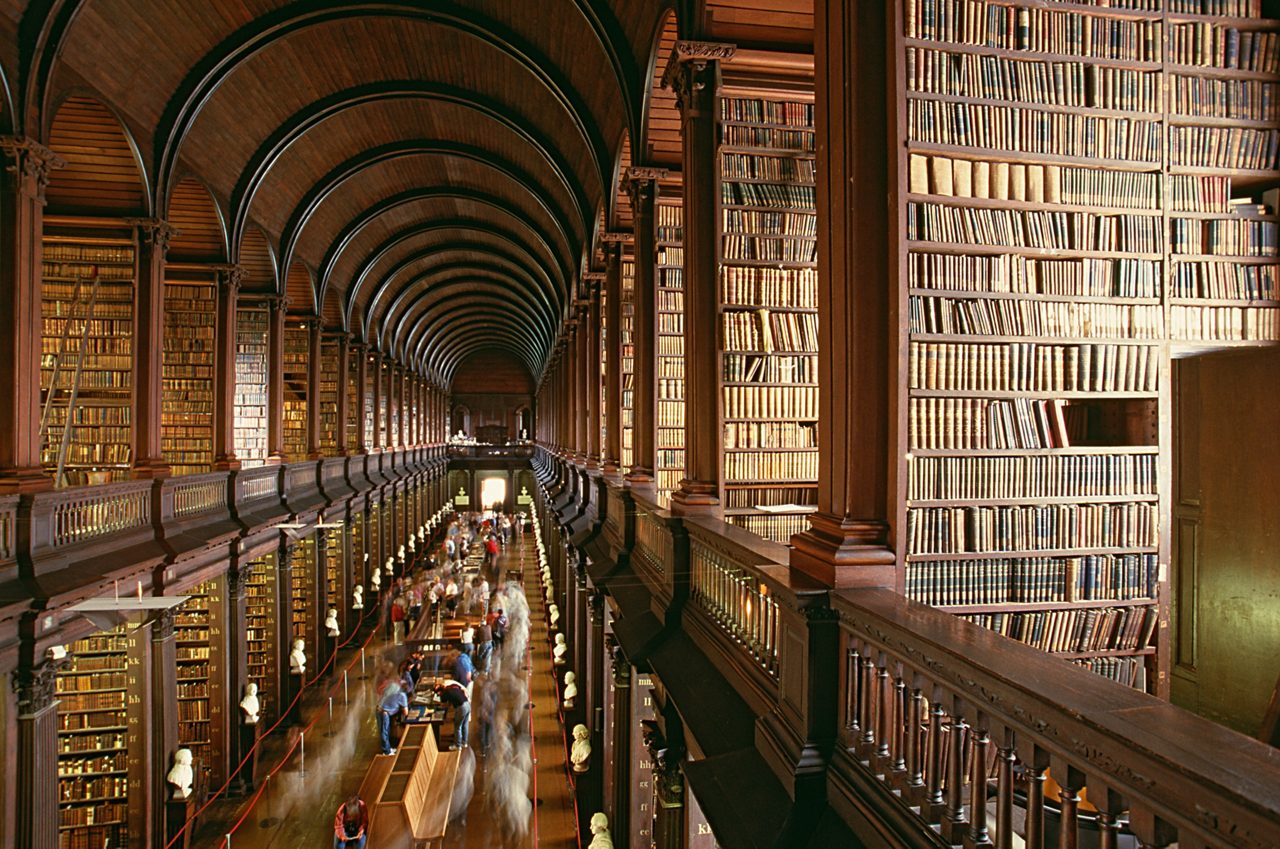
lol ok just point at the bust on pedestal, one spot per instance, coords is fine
(600, 838)
(297, 678)
(570, 690)
(580, 751)
(560, 650)
(250, 714)
(181, 798)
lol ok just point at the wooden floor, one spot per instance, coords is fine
(296, 807)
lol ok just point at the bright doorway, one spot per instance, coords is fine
(493, 493)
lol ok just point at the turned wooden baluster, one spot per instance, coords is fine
(1033, 769)
(915, 758)
(853, 701)
(899, 725)
(953, 821)
(1109, 804)
(1070, 784)
(979, 836)
(1151, 831)
(937, 758)
(884, 710)
(868, 703)
(1005, 758)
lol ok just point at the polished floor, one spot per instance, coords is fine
(323, 766)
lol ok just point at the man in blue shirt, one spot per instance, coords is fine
(393, 702)
(462, 667)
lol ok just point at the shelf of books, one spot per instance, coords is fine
(359, 566)
(302, 596)
(328, 399)
(768, 311)
(297, 356)
(261, 635)
(669, 290)
(252, 329)
(369, 409)
(381, 374)
(334, 560)
(373, 541)
(353, 407)
(627, 340)
(1073, 212)
(186, 411)
(100, 745)
(86, 362)
(197, 631)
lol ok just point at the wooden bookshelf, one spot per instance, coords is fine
(328, 399)
(187, 411)
(670, 311)
(628, 344)
(1061, 237)
(297, 355)
(261, 635)
(768, 310)
(252, 329)
(370, 411)
(201, 674)
(302, 598)
(335, 544)
(86, 364)
(359, 568)
(100, 743)
(353, 407)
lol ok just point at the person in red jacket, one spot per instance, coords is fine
(350, 825)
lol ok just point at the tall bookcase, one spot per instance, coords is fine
(334, 560)
(359, 567)
(328, 399)
(353, 407)
(768, 316)
(297, 355)
(198, 630)
(252, 329)
(86, 364)
(302, 598)
(1079, 200)
(669, 290)
(187, 414)
(627, 341)
(261, 634)
(369, 410)
(100, 747)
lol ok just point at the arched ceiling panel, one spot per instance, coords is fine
(431, 291)
(373, 185)
(194, 214)
(298, 290)
(415, 215)
(258, 262)
(371, 125)
(661, 116)
(102, 175)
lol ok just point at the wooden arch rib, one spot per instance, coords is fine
(353, 167)
(432, 301)
(463, 347)
(446, 310)
(421, 285)
(262, 32)
(362, 220)
(538, 269)
(317, 113)
(202, 234)
(537, 286)
(103, 174)
(659, 139)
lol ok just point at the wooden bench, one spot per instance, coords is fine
(408, 794)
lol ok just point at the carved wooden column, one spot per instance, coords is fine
(344, 401)
(388, 381)
(642, 185)
(375, 361)
(693, 74)
(275, 381)
(361, 353)
(22, 185)
(36, 817)
(153, 237)
(314, 348)
(592, 366)
(579, 378)
(224, 369)
(164, 714)
(619, 817)
(406, 408)
(848, 541)
(612, 459)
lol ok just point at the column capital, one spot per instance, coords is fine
(691, 74)
(231, 277)
(36, 686)
(30, 161)
(155, 232)
(162, 625)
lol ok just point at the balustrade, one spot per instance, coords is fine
(88, 512)
(738, 601)
(202, 494)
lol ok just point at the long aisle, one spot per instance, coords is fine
(297, 806)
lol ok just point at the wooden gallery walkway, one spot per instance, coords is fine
(297, 806)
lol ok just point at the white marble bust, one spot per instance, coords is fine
(600, 838)
(249, 705)
(554, 611)
(375, 580)
(560, 649)
(298, 658)
(580, 752)
(570, 690)
(181, 776)
(357, 597)
(331, 623)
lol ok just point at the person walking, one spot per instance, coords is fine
(393, 703)
(484, 646)
(350, 824)
(452, 693)
(399, 610)
(468, 639)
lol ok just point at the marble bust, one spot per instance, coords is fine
(298, 658)
(181, 776)
(250, 706)
(580, 752)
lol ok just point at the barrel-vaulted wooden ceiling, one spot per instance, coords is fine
(429, 175)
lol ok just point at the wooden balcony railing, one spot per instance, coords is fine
(88, 512)
(259, 483)
(199, 494)
(990, 742)
(736, 598)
